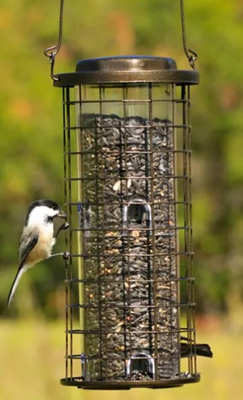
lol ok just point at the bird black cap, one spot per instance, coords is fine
(42, 202)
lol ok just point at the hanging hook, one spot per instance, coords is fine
(52, 51)
(190, 54)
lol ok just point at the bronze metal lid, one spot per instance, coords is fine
(127, 69)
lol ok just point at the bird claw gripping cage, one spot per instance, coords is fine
(129, 281)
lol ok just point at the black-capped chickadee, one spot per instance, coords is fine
(43, 222)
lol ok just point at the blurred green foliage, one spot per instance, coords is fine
(31, 126)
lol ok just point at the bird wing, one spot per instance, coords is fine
(27, 243)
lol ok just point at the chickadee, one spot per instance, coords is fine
(203, 350)
(42, 226)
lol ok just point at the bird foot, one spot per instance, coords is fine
(66, 255)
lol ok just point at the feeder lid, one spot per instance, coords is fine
(127, 69)
(126, 64)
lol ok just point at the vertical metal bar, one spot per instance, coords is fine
(125, 285)
(128, 311)
(69, 164)
(190, 231)
(187, 247)
(170, 161)
(176, 202)
(66, 234)
(149, 185)
(80, 235)
(174, 238)
(152, 263)
(185, 209)
(99, 131)
(187, 225)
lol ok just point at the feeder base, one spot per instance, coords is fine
(126, 385)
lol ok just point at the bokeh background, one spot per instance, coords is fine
(32, 332)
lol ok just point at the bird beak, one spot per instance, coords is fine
(61, 214)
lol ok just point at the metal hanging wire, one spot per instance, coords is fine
(190, 54)
(52, 51)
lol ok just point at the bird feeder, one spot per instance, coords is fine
(129, 284)
(130, 308)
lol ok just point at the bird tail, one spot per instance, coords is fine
(204, 350)
(15, 283)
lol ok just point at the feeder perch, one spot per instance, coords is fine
(129, 281)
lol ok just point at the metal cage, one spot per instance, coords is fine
(129, 281)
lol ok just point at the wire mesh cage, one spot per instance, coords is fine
(129, 280)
